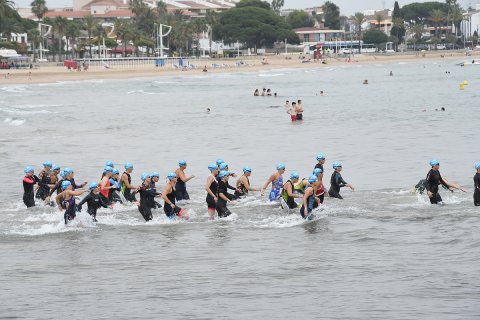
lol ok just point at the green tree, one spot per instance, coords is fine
(437, 16)
(359, 19)
(416, 30)
(378, 20)
(211, 20)
(398, 29)
(457, 17)
(125, 31)
(90, 25)
(331, 15)
(39, 8)
(253, 3)
(161, 10)
(254, 26)
(375, 36)
(277, 5)
(6, 8)
(72, 32)
(420, 12)
(300, 19)
(35, 38)
(60, 28)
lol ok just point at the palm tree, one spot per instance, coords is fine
(125, 32)
(398, 23)
(437, 16)
(211, 19)
(277, 5)
(60, 28)
(39, 8)
(72, 33)
(378, 20)
(90, 26)
(161, 10)
(198, 26)
(416, 31)
(457, 17)
(6, 8)
(35, 38)
(359, 19)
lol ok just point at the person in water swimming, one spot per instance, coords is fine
(211, 186)
(476, 181)
(434, 179)
(288, 194)
(308, 199)
(29, 181)
(168, 195)
(126, 183)
(337, 182)
(44, 184)
(93, 200)
(181, 187)
(243, 183)
(223, 197)
(276, 180)
(105, 185)
(66, 200)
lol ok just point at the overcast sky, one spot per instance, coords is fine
(347, 7)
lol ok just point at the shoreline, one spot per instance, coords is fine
(53, 74)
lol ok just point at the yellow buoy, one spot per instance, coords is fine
(461, 86)
(465, 83)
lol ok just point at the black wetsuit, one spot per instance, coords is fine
(28, 193)
(210, 200)
(318, 166)
(112, 194)
(476, 193)
(70, 208)
(181, 190)
(229, 195)
(155, 204)
(94, 201)
(421, 186)
(147, 197)
(310, 205)
(43, 188)
(336, 182)
(242, 188)
(126, 191)
(221, 206)
(290, 201)
(434, 179)
(168, 209)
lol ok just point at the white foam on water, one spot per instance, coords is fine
(14, 122)
(14, 89)
(144, 92)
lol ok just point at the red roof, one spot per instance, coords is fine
(67, 14)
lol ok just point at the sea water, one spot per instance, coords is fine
(382, 253)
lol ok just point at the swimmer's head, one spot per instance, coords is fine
(434, 162)
(28, 169)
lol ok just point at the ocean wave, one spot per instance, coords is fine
(143, 92)
(14, 89)
(11, 110)
(14, 122)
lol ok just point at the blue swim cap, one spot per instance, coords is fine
(155, 174)
(434, 162)
(223, 174)
(66, 184)
(320, 156)
(312, 179)
(63, 174)
(28, 169)
(182, 163)
(212, 166)
(55, 167)
(336, 165)
(280, 166)
(247, 169)
(145, 176)
(47, 164)
(128, 165)
(477, 165)
(92, 185)
(294, 175)
(171, 176)
(115, 171)
(108, 169)
(68, 171)
(223, 166)
(109, 164)
(219, 162)
(317, 171)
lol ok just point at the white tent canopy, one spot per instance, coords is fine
(8, 53)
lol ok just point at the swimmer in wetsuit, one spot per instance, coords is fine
(222, 195)
(66, 200)
(434, 179)
(243, 183)
(93, 200)
(211, 186)
(112, 193)
(288, 194)
(308, 199)
(155, 177)
(337, 182)
(126, 183)
(224, 167)
(476, 180)
(105, 185)
(318, 187)
(181, 187)
(147, 197)
(276, 180)
(171, 210)
(44, 184)
(29, 181)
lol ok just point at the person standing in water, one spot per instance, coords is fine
(434, 179)
(223, 197)
(476, 180)
(243, 183)
(288, 194)
(93, 200)
(105, 185)
(276, 180)
(147, 197)
(318, 186)
(299, 110)
(181, 187)
(168, 195)
(211, 186)
(308, 200)
(44, 183)
(126, 183)
(29, 181)
(66, 200)
(337, 182)
(112, 194)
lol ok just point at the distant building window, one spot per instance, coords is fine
(316, 37)
(306, 38)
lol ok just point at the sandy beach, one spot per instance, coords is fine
(49, 74)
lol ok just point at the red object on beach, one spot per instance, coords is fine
(70, 64)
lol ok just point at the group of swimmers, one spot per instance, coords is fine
(114, 187)
(295, 110)
(265, 93)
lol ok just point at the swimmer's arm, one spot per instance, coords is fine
(125, 180)
(224, 197)
(270, 180)
(165, 192)
(207, 187)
